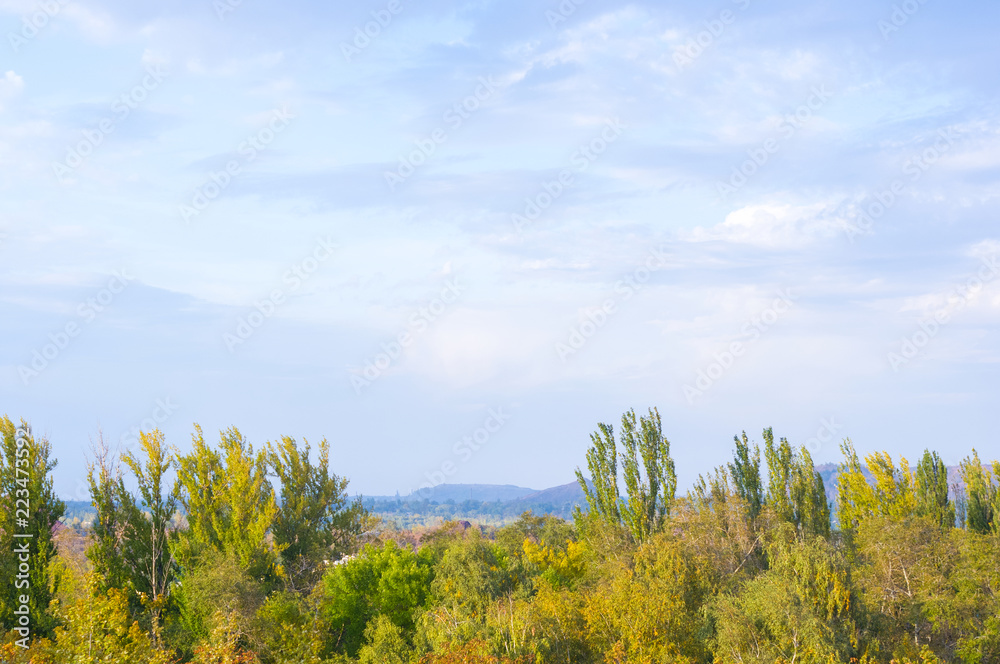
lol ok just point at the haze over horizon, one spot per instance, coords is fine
(463, 239)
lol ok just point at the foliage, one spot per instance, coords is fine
(130, 547)
(743, 569)
(797, 611)
(313, 509)
(384, 643)
(100, 628)
(381, 580)
(890, 494)
(745, 471)
(981, 495)
(932, 491)
(28, 506)
(649, 608)
(217, 588)
(648, 470)
(228, 500)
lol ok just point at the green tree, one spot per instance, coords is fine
(980, 494)
(799, 610)
(153, 567)
(648, 471)
(112, 542)
(384, 643)
(99, 628)
(779, 472)
(130, 548)
(903, 568)
(472, 575)
(810, 508)
(932, 490)
(795, 491)
(890, 493)
(745, 471)
(28, 506)
(650, 476)
(313, 510)
(602, 462)
(217, 600)
(650, 606)
(228, 500)
(380, 580)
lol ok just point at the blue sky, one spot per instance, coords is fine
(746, 214)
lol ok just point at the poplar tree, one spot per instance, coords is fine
(745, 473)
(154, 567)
(228, 499)
(648, 470)
(932, 490)
(28, 506)
(810, 508)
(779, 470)
(314, 508)
(890, 492)
(650, 475)
(130, 549)
(795, 491)
(602, 462)
(980, 494)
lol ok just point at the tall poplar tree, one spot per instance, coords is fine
(745, 473)
(28, 507)
(779, 470)
(890, 492)
(314, 509)
(228, 499)
(980, 494)
(648, 470)
(932, 490)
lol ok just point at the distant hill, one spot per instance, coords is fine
(486, 493)
(565, 494)
(487, 503)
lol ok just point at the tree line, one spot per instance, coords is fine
(256, 555)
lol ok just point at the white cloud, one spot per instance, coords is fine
(10, 86)
(774, 225)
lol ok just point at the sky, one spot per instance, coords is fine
(453, 237)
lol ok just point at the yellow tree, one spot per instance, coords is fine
(229, 502)
(98, 627)
(890, 492)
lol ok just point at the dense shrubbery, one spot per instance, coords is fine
(745, 568)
